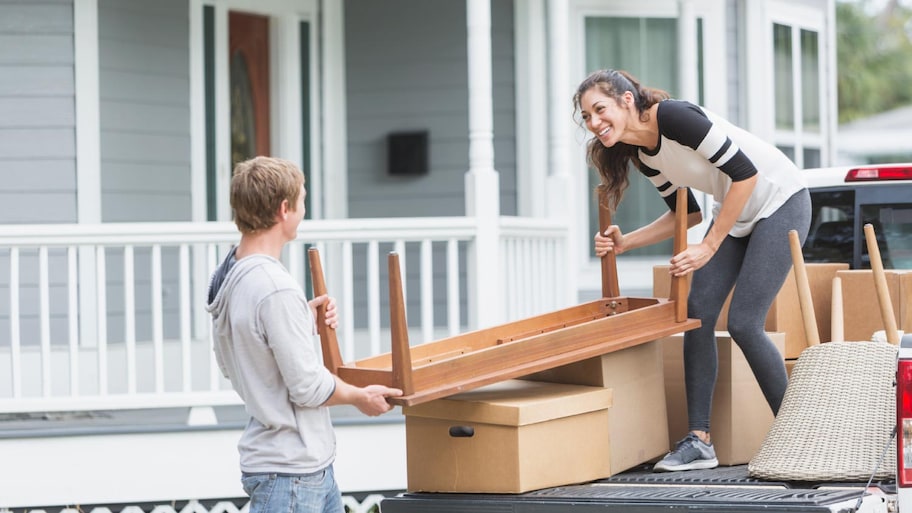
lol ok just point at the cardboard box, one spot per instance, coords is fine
(789, 365)
(740, 416)
(638, 428)
(509, 437)
(785, 313)
(861, 309)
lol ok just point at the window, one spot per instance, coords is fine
(831, 237)
(893, 231)
(799, 98)
(833, 232)
(647, 48)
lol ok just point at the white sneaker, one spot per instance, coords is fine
(691, 453)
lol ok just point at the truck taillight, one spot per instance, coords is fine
(904, 422)
(886, 172)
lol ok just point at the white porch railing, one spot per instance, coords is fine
(112, 316)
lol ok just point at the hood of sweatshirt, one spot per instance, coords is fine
(218, 277)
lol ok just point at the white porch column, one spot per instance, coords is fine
(482, 181)
(560, 193)
(688, 72)
(529, 44)
(88, 152)
(334, 171)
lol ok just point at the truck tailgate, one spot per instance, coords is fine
(727, 489)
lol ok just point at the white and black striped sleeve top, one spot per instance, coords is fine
(702, 151)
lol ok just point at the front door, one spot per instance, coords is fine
(248, 63)
(255, 95)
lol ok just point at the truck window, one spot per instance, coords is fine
(893, 227)
(830, 237)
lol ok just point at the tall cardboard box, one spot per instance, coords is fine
(861, 309)
(785, 313)
(740, 416)
(510, 437)
(638, 431)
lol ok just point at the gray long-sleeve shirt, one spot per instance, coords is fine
(265, 343)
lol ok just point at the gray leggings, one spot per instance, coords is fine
(756, 265)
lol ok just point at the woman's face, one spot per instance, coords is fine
(603, 116)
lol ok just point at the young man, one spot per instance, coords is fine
(266, 344)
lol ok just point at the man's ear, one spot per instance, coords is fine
(283, 209)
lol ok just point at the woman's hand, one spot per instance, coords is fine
(612, 240)
(331, 315)
(691, 259)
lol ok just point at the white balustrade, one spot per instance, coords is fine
(141, 338)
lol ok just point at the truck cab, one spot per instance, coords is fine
(844, 199)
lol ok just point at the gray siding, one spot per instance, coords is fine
(37, 112)
(144, 110)
(406, 69)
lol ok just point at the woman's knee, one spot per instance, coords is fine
(743, 327)
(705, 308)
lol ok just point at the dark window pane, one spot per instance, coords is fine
(811, 158)
(783, 77)
(810, 81)
(893, 231)
(830, 238)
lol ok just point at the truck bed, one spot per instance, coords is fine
(639, 490)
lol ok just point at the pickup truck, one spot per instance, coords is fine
(844, 200)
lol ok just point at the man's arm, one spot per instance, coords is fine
(370, 400)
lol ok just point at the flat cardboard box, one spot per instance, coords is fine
(860, 306)
(785, 313)
(638, 428)
(509, 437)
(740, 416)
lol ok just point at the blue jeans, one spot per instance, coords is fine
(293, 493)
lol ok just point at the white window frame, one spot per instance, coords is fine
(816, 17)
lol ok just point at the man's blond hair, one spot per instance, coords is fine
(258, 188)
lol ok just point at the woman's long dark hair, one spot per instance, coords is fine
(613, 164)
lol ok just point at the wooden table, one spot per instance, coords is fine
(456, 364)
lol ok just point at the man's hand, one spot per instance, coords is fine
(372, 399)
(331, 315)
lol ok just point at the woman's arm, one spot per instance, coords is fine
(696, 256)
(660, 229)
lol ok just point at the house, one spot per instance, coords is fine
(882, 137)
(442, 130)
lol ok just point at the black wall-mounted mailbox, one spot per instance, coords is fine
(407, 153)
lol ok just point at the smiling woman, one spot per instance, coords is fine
(759, 197)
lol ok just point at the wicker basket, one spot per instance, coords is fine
(836, 418)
